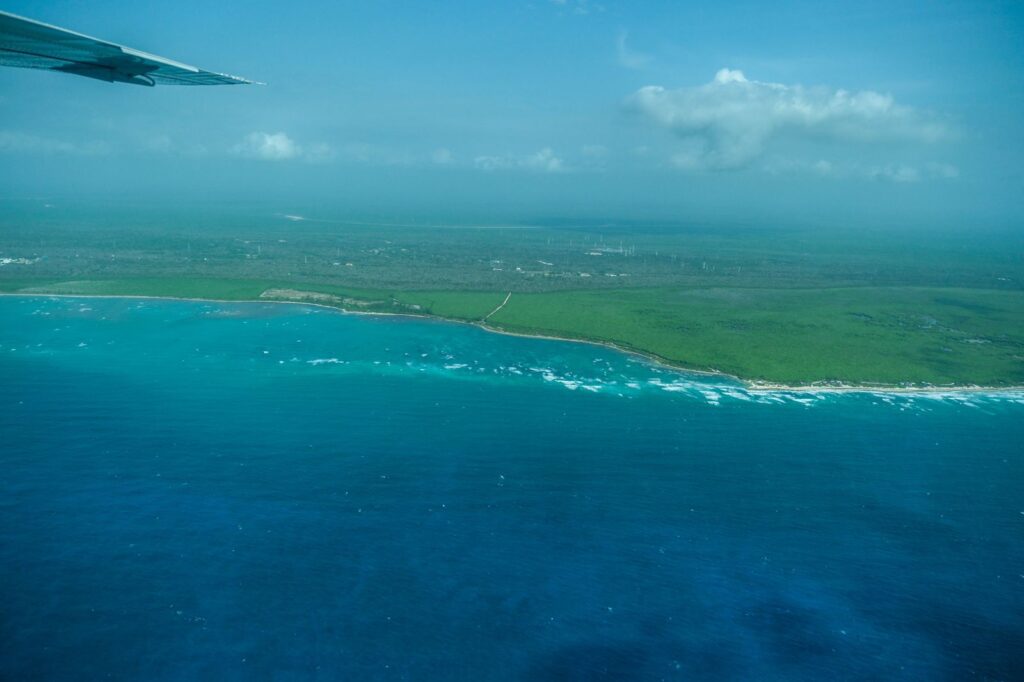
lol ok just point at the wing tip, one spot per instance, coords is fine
(201, 78)
(236, 80)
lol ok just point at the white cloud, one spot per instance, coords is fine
(728, 122)
(544, 161)
(268, 146)
(491, 163)
(281, 147)
(822, 167)
(627, 57)
(894, 173)
(901, 173)
(904, 173)
(442, 156)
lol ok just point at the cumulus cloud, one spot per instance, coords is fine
(268, 146)
(728, 122)
(544, 161)
(281, 147)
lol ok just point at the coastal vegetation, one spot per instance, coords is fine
(781, 305)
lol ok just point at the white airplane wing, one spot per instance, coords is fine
(34, 45)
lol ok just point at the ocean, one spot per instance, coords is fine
(250, 491)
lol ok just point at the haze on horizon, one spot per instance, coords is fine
(895, 113)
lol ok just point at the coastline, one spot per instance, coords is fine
(748, 384)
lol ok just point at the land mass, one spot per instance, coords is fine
(771, 307)
(839, 338)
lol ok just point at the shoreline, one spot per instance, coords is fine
(748, 384)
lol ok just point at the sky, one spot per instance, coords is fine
(892, 113)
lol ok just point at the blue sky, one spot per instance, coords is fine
(846, 112)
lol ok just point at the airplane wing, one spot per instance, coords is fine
(34, 45)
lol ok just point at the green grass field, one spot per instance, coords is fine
(793, 306)
(456, 305)
(866, 335)
(855, 335)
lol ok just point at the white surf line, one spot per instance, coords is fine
(498, 308)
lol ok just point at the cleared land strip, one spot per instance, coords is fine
(488, 315)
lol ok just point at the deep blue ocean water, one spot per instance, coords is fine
(276, 492)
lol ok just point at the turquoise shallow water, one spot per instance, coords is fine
(249, 491)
